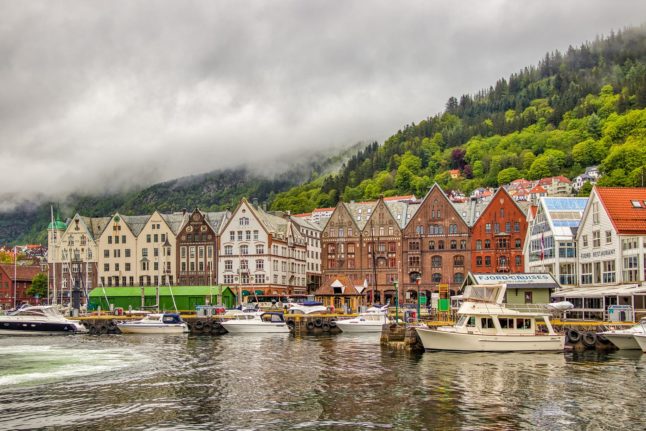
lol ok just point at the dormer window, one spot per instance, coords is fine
(637, 204)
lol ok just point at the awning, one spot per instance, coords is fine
(246, 293)
(259, 292)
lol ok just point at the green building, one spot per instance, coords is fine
(187, 298)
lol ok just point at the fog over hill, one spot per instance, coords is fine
(99, 97)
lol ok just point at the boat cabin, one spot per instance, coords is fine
(272, 317)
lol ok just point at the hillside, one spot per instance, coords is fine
(572, 110)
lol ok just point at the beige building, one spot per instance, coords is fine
(118, 252)
(156, 248)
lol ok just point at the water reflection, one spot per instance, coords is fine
(336, 382)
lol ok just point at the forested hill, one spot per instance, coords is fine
(572, 110)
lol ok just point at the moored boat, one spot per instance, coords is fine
(259, 322)
(487, 324)
(641, 341)
(625, 339)
(166, 323)
(371, 321)
(38, 320)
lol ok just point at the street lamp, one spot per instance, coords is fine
(396, 302)
(419, 281)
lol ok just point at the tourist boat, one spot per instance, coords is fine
(371, 321)
(166, 323)
(263, 322)
(487, 324)
(625, 339)
(38, 320)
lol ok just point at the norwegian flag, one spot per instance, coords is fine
(542, 245)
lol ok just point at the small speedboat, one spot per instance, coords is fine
(307, 307)
(640, 339)
(371, 321)
(38, 320)
(166, 323)
(625, 339)
(258, 322)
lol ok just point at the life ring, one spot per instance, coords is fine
(318, 322)
(207, 328)
(332, 323)
(326, 327)
(199, 325)
(589, 339)
(310, 325)
(573, 335)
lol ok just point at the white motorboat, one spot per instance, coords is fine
(625, 339)
(371, 321)
(38, 320)
(259, 322)
(641, 341)
(486, 324)
(166, 323)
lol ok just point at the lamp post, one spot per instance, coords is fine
(419, 281)
(395, 283)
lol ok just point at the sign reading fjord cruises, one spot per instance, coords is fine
(534, 280)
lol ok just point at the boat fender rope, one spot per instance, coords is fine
(573, 335)
(318, 322)
(589, 339)
(310, 325)
(326, 327)
(199, 325)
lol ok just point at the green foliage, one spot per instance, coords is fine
(508, 175)
(38, 286)
(585, 190)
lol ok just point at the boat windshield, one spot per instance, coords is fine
(41, 312)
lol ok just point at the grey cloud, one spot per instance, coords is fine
(99, 96)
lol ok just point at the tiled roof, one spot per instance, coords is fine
(23, 272)
(363, 209)
(399, 211)
(470, 210)
(305, 223)
(538, 189)
(96, 225)
(136, 223)
(215, 220)
(319, 210)
(175, 221)
(626, 207)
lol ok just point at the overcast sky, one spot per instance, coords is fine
(98, 95)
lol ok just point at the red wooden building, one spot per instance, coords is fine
(24, 275)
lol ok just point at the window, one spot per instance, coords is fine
(436, 277)
(458, 278)
(106, 253)
(228, 250)
(413, 245)
(478, 260)
(109, 241)
(508, 227)
(156, 238)
(488, 228)
(260, 265)
(228, 265)
(244, 264)
(260, 249)
(413, 261)
(239, 235)
(144, 252)
(419, 230)
(596, 239)
(629, 243)
(631, 268)
(182, 252)
(496, 227)
(243, 221)
(487, 244)
(595, 213)
(609, 271)
(248, 235)
(127, 252)
(519, 261)
(479, 244)
(516, 226)
(463, 244)
(608, 236)
(586, 273)
(156, 252)
(585, 240)
(431, 245)
(487, 260)
(436, 261)
(341, 232)
(106, 267)
(517, 243)
(228, 279)
(232, 235)
(127, 267)
(148, 238)
(458, 260)
(117, 253)
(440, 245)
(528, 300)
(454, 244)
(260, 278)
(453, 229)
(244, 249)
(255, 235)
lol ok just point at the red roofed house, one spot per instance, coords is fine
(24, 275)
(557, 186)
(610, 243)
(536, 193)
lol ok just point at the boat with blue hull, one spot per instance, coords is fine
(38, 320)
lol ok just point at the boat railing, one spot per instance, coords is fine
(528, 308)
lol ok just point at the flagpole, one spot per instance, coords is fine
(54, 239)
(15, 272)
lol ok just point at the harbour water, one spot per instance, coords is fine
(279, 382)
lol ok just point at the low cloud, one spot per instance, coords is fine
(101, 96)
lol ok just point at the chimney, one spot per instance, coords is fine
(254, 202)
(183, 211)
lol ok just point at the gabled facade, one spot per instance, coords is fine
(155, 258)
(436, 246)
(611, 238)
(261, 252)
(73, 254)
(196, 249)
(14, 281)
(497, 236)
(119, 253)
(312, 234)
(550, 245)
